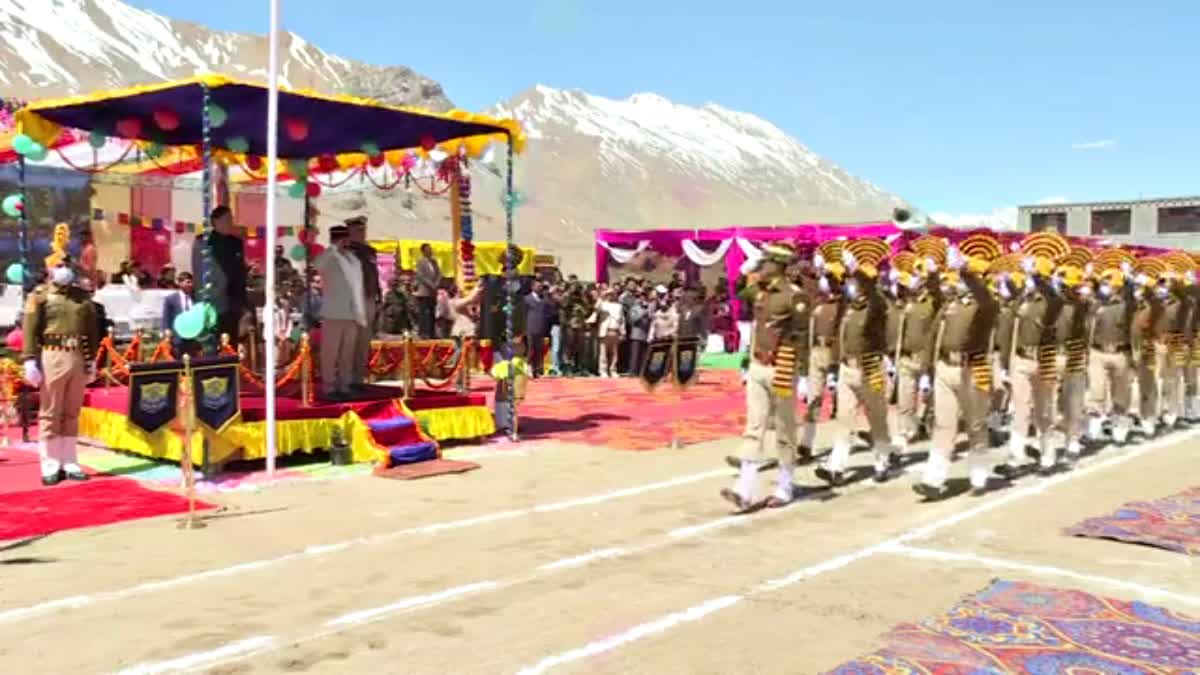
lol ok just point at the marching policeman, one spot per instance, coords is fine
(1170, 327)
(1072, 359)
(778, 333)
(61, 331)
(861, 379)
(961, 381)
(825, 316)
(913, 317)
(1110, 366)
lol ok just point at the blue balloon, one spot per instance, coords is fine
(15, 273)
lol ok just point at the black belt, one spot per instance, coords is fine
(64, 342)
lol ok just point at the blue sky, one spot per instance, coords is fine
(960, 107)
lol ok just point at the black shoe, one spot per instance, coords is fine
(931, 493)
(889, 470)
(735, 462)
(1007, 471)
(55, 478)
(804, 455)
(834, 478)
(75, 475)
(1046, 471)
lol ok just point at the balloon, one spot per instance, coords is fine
(15, 340)
(297, 128)
(97, 139)
(370, 148)
(376, 160)
(189, 324)
(238, 144)
(129, 127)
(22, 144)
(428, 143)
(13, 206)
(297, 190)
(217, 117)
(166, 119)
(154, 150)
(254, 163)
(297, 252)
(302, 235)
(409, 161)
(36, 154)
(315, 250)
(297, 168)
(327, 163)
(210, 314)
(15, 273)
(313, 190)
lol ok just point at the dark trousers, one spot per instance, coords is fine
(537, 353)
(229, 323)
(426, 312)
(637, 353)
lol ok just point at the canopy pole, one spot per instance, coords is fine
(272, 199)
(510, 277)
(210, 341)
(26, 277)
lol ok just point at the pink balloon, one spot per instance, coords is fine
(15, 340)
(129, 127)
(166, 119)
(409, 161)
(297, 128)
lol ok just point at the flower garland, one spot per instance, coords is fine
(467, 235)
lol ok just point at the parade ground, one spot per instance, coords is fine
(574, 558)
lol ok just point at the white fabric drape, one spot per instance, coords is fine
(752, 252)
(624, 255)
(702, 258)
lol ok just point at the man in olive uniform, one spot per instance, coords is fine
(1030, 364)
(1072, 358)
(862, 379)
(61, 330)
(1110, 366)
(1006, 288)
(961, 385)
(823, 321)
(771, 381)
(913, 320)
(1145, 339)
(1191, 374)
(1171, 348)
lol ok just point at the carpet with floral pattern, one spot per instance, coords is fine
(1172, 523)
(1019, 627)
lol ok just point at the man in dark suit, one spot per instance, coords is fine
(226, 274)
(175, 304)
(537, 326)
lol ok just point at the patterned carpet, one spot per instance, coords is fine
(620, 414)
(1017, 627)
(1172, 523)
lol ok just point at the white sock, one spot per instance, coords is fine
(1074, 448)
(1095, 427)
(1049, 456)
(809, 437)
(746, 480)
(1016, 450)
(839, 456)
(935, 471)
(783, 484)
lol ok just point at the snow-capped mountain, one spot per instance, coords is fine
(59, 47)
(591, 162)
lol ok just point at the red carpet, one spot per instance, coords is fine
(20, 471)
(70, 506)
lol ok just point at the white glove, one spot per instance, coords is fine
(823, 284)
(1027, 264)
(1127, 269)
(931, 266)
(924, 384)
(893, 275)
(819, 262)
(1003, 376)
(849, 261)
(802, 388)
(889, 367)
(1089, 270)
(1142, 280)
(33, 375)
(954, 258)
(831, 381)
(1189, 277)
(1085, 291)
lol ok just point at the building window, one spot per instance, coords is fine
(1179, 220)
(1112, 222)
(1048, 222)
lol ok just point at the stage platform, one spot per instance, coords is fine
(379, 423)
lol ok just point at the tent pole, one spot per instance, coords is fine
(26, 277)
(272, 198)
(510, 277)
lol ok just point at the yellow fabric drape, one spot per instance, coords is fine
(489, 255)
(465, 423)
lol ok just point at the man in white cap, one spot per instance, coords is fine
(61, 330)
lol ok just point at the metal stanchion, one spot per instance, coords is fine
(190, 522)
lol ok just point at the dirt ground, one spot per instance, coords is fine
(566, 559)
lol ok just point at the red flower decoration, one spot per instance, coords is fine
(313, 190)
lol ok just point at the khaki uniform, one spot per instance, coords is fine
(1005, 321)
(1191, 371)
(1110, 366)
(1072, 369)
(1146, 357)
(779, 320)
(862, 377)
(60, 329)
(1171, 355)
(911, 325)
(1032, 372)
(962, 382)
(823, 321)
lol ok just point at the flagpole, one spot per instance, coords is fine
(272, 183)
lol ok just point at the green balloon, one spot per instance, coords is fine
(217, 117)
(36, 154)
(298, 252)
(97, 139)
(238, 144)
(15, 273)
(370, 148)
(297, 190)
(22, 144)
(189, 324)
(298, 168)
(209, 313)
(154, 150)
(12, 205)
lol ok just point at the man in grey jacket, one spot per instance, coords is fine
(428, 276)
(640, 314)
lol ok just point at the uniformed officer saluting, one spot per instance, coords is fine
(60, 328)
(778, 334)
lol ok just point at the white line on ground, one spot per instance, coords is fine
(696, 612)
(1041, 570)
(201, 659)
(77, 601)
(662, 624)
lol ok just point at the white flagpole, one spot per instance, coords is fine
(272, 183)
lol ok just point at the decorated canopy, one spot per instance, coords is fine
(314, 125)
